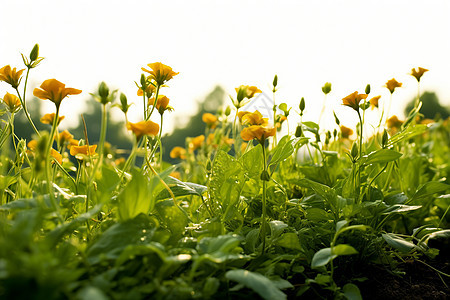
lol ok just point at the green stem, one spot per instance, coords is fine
(360, 154)
(26, 111)
(264, 221)
(154, 103)
(48, 165)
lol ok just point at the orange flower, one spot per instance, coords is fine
(210, 120)
(257, 132)
(254, 119)
(12, 102)
(72, 142)
(64, 136)
(241, 114)
(353, 100)
(162, 104)
(160, 72)
(176, 174)
(392, 84)
(394, 123)
(32, 145)
(374, 102)
(246, 91)
(54, 91)
(149, 90)
(11, 76)
(56, 155)
(346, 132)
(178, 152)
(143, 128)
(85, 150)
(418, 74)
(196, 143)
(49, 118)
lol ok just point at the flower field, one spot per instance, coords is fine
(254, 208)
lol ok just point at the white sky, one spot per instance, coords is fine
(229, 43)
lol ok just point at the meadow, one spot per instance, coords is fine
(251, 209)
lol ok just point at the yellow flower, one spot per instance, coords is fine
(143, 128)
(353, 100)
(64, 137)
(54, 91)
(149, 90)
(254, 119)
(56, 155)
(12, 102)
(176, 174)
(178, 152)
(247, 91)
(85, 150)
(49, 118)
(162, 104)
(257, 132)
(196, 143)
(210, 120)
(346, 132)
(374, 102)
(394, 123)
(11, 76)
(418, 74)
(160, 72)
(32, 145)
(392, 84)
(72, 142)
(240, 114)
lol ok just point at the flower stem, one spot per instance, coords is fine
(22, 101)
(264, 221)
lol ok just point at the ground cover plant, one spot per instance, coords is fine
(248, 211)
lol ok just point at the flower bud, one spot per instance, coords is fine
(299, 131)
(385, 138)
(367, 91)
(275, 82)
(143, 82)
(124, 102)
(265, 176)
(354, 152)
(335, 133)
(228, 111)
(336, 119)
(34, 54)
(326, 89)
(302, 104)
(103, 90)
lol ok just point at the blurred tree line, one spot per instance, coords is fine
(431, 108)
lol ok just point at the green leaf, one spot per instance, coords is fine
(277, 227)
(344, 249)
(253, 162)
(322, 190)
(399, 208)
(324, 256)
(221, 248)
(283, 150)
(351, 291)
(428, 189)
(289, 240)
(135, 198)
(258, 283)
(398, 242)
(381, 156)
(180, 188)
(410, 132)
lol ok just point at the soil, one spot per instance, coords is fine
(419, 282)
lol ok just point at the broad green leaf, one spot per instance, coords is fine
(258, 283)
(221, 248)
(317, 214)
(253, 162)
(398, 242)
(289, 240)
(173, 216)
(227, 181)
(283, 150)
(410, 132)
(135, 198)
(324, 256)
(351, 291)
(91, 292)
(428, 189)
(381, 156)
(399, 208)
(344, 249)
(277, 227)
(111, 243)
(322, 190)
(180, 188)
(440, 239)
